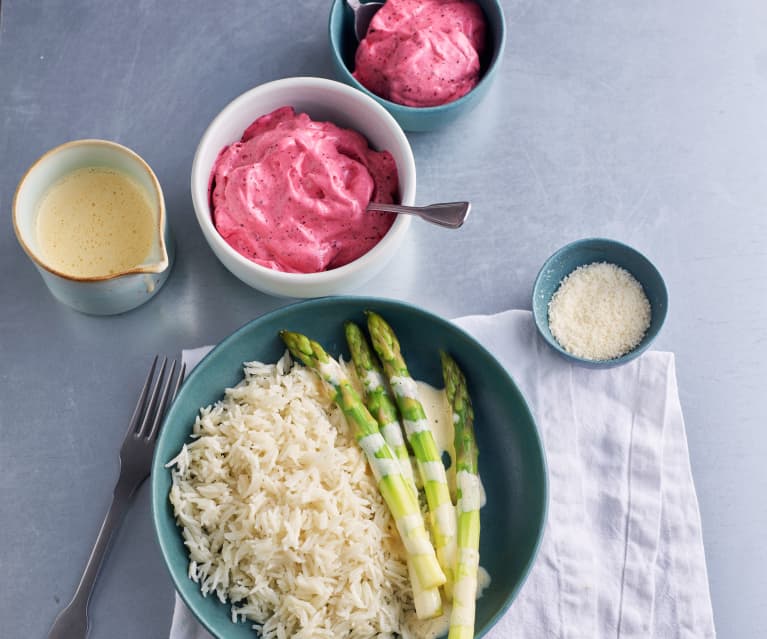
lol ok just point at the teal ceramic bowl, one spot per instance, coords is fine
(511, 458)
(587, 251)
(343, 47)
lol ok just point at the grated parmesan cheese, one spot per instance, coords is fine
(599, 312)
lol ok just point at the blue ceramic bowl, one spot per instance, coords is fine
(587, 251)
(511, 458)
(343, 46)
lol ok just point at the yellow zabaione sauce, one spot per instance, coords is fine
(437, 409)
(93, 222)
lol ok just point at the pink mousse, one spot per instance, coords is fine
(422, 53)
(291, 195)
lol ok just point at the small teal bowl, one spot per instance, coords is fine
(343, 46)
(587, 251)
(512, 462)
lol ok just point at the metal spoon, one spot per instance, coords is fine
(363, 14)
(449, 214)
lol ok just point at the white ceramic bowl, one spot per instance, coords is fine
(325, 100)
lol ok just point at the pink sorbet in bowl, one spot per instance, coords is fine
(422, 53)
(291, 194)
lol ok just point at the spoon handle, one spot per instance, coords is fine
(448, 214)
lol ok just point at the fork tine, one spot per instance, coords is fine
(137, 412)
(162, 403)
(179, 381)
(152, 401)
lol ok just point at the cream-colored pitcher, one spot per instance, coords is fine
(91, 216)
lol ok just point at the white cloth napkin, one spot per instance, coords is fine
(622, 555)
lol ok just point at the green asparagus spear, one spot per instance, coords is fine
(377, 397)
(379, 402)
(386, 468)
(429, 461)
(467, 480)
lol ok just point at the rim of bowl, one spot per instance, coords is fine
(541, 323)
(201, 175)
(495, 60)
(155, 267)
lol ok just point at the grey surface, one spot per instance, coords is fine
(641, 121)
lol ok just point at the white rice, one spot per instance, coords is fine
(282, 517)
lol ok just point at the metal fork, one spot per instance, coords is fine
(135, 464)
